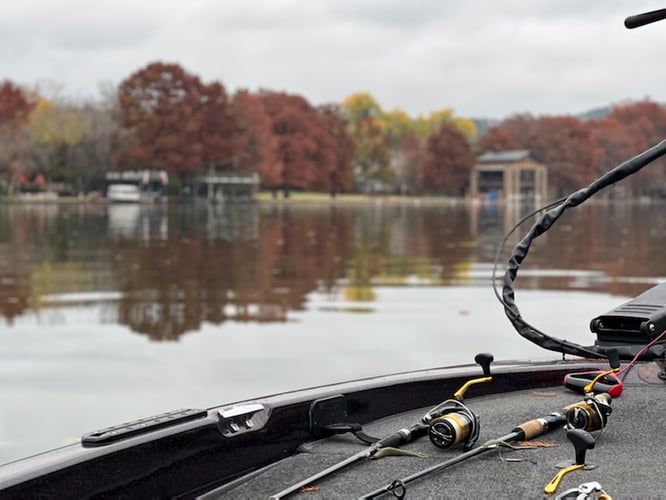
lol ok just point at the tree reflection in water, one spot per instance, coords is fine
(176, 268)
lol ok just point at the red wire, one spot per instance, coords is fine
(638, 355)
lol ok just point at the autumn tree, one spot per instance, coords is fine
(563, 143)
(424, 126)
(413, 155)
(371, 149)
(172, 121)
(613, 141)
(341, 178)
(254, 144)
(15, 108)
(56, 129)
(306, 151)
(637, 126)
(448, 161)
(497, 138)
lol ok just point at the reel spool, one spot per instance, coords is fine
(590, 414)
(458, 425)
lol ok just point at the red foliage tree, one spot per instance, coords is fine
(613, 142)
(497, 138)
(448, 161)
(217, 126)
(563, 143)
(642, 125)
(341, 178)
(515, 132)
(172, 121)
(306, 151)
(15, 106)
(254, 143)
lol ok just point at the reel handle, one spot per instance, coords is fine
(582, 441)
(484, 359)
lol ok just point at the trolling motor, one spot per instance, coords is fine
(457, 423)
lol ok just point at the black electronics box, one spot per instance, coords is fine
(638, 321)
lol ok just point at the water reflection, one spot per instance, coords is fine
(166, 271)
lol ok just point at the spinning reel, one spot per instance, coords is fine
(589, 415)
(452, 423)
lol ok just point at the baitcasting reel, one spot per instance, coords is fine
(452, 422)
(589, 415)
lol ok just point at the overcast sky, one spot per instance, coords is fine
(483, 58)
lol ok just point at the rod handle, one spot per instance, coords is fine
(538, 426)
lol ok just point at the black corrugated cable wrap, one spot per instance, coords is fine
(521, 250)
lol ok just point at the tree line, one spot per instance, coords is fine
(164, 117)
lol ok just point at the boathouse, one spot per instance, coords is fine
(508, 175)
(228, 187)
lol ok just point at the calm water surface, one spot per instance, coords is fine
(115, 313)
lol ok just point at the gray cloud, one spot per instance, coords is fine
(484, 58)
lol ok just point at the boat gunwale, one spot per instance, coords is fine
(216, 460)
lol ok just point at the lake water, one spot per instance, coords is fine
(111, 313)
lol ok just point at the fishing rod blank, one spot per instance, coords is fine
(466, 434)
(394, 440)
(527, 430)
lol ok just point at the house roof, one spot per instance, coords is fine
(503, 156)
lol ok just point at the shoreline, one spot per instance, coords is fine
(320, 199)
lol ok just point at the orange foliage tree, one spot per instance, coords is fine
(636, 127)
(170, 120)
(306, 156)
(15, 109)
(563, 143)
(254, 143)
(341, 178)
(448, 161)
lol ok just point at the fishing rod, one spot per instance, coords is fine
(589, 415)
(454, 422)
(524, 431)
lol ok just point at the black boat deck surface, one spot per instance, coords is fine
(628, 454)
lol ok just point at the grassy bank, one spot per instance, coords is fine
(351, 198)
(295, 197)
